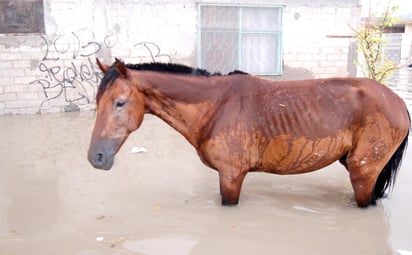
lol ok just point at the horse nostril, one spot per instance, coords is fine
(99, 157)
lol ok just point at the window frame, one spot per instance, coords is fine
(242, 32)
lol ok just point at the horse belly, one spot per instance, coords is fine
(288, 155)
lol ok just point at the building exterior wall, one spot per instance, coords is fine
(318, 41)
(398, 45)
(55, 71)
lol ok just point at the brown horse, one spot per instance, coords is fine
(240, 123)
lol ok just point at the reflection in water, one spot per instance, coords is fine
(161, 246)
(399, 207)
(53, 202)
(403, 252)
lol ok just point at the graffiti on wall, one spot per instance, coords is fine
(75, 82)
(149, 51)
(68, 70)
(76, 45)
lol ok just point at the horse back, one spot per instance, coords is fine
(316, 107)
(308, 108)
(297, 126)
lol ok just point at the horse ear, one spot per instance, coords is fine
(121, 68)
(103, 67)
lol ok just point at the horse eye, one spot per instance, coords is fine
(120, 103)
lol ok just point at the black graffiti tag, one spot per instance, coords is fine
(76, 83)
(80, 44)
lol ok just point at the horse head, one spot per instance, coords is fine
(120, 110)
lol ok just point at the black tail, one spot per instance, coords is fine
(386, 179)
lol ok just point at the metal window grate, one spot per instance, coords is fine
(241, 37)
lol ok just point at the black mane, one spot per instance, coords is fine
(112, 74)
(170, 68)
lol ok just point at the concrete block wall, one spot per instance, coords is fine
(318, 40)
(56, 71)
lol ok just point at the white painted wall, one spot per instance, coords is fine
(55, 72)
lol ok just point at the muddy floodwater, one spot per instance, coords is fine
(164, 201)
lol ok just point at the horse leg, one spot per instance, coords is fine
(230, 185)
(364, 165)
(363, 181)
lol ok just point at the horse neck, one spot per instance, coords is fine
(185, 102)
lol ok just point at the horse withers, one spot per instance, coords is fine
(240, 123)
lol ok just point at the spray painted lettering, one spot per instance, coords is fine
(69, 76)
(151, 52)
(75, 83)
(77, 44)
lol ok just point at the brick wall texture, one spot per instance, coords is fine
(56, 71)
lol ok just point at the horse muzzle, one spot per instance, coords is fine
(101, 153)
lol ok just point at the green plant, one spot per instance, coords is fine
(374, 61)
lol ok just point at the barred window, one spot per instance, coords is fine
(247, 38)
(23, 16)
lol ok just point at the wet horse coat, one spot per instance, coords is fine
(240, 123)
